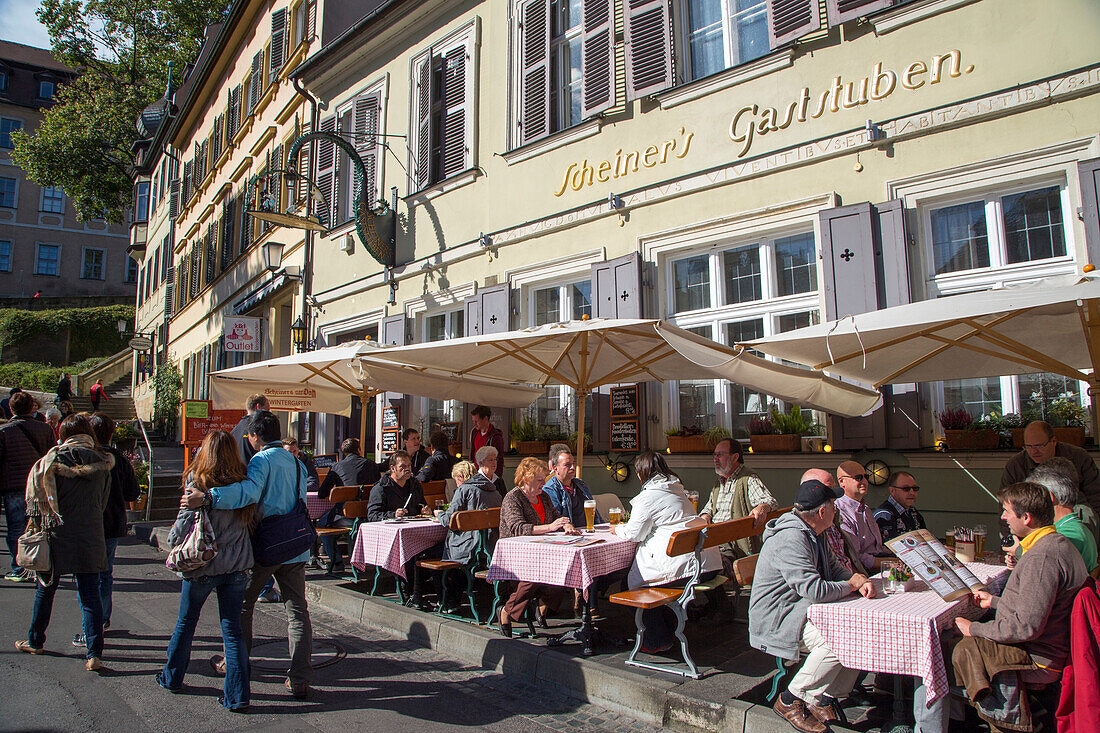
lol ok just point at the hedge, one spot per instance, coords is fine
(92, 331)
(41, 377)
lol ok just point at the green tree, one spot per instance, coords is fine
(122, 51)
(168, 390)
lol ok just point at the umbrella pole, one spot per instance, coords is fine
(582, 396)
(363, 421)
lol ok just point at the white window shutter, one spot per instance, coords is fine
(366, 117)
(421, 170)
(648, 37)
(326, 173)
(789, 20)
(454, 142)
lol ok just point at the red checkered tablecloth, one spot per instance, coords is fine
(316, 506)
(390, 545)
(900, 633)
(528, 559)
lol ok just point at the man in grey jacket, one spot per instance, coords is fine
(796, 569)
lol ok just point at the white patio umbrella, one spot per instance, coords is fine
(325, 379)
(592, 353)
(1052, 325)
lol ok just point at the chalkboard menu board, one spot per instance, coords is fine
(324, 460)
(390, 440)
(452, 430)
(624, 436)
(624, 401)
(391, 418)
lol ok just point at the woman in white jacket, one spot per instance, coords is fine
(661, 508)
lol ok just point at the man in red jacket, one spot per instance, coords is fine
(484, 432)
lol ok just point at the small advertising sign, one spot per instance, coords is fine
(242, 334)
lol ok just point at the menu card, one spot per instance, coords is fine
(935, 564)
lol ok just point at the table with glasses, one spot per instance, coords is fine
(561, 560)
(899, 633)
(391, 543)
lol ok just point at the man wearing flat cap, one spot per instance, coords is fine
(795, 569)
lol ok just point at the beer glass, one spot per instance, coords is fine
(694, 496)
(979, 541)
(590, 513)
(614, 514)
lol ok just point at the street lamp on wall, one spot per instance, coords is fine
(298, 334)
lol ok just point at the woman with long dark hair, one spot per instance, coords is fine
(217, 463)
(661, 508)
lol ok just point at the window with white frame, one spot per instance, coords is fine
(1003, 229)
(46, 89)
(733, 292)
(141, 201)
(441, 115)
(3, 80)
(360, 120)
(47, 259)
(5, 255)
(566, 31)
(442, 326)
(131, 274)
(971, 242)
(8, 192)
(53, 200)
(555, 303)
(93, 263)
(720, 34)
(8, 125)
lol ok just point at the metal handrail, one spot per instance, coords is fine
(149, 447)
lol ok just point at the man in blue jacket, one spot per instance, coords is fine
(275, 481)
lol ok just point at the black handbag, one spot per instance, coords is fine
(281, 537)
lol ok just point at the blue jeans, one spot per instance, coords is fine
(230, 588)
(87, 588)
(107, 579)
(15, 509)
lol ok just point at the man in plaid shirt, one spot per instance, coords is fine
(738, 493)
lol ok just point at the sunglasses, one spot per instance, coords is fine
(906, 488)
(857, 477)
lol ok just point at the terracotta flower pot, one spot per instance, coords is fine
(138, 505)
(1073, 436)
(972, 439)
(533, 447)
(687, 444)
(776, 443)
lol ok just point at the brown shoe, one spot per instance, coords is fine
(797, 715)
(300, 690)
(825, 713)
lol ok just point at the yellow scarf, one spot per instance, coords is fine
(1028, 542)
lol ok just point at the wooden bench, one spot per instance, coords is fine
(434, 491)
(693, 540)
(482, 521)
(339, 495)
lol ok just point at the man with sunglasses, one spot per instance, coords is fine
(898, 514)
(1040, 446)
(856, 518)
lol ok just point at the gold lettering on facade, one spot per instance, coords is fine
(753, 120)
(583, 174)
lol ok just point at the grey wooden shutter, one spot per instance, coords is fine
(840, 11)
(425, 134)
(617, 287)
(471, 321)
(892, 254)
(235, 110)
(211, 253)
(648, 39)
(453, 157)
(391, 332)
(304, 170)
(196, 271)
(228, 212)
(255, 83)
(188, 169)
(1089, 173)
(244, 236)
(848, 258)
(219, 137)
(535, 75)
(311, 18)
(326, 173)
(174, 199)
(278, 43)
(598, 57)
(495, 309)
(791, 19)
(366, 115)
(170, 281)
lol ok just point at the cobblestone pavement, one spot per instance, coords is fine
(366, 679)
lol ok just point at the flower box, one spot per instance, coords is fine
(791, 443)
(538, 448)
(972, 439)
(687, 444)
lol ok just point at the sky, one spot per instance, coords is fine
(18, 23)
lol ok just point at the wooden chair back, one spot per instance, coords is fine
(434, 491)
(344, 493)
(475, 520)
(356, 509)
(743, 570)
(686, 540)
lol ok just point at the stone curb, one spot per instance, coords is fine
(659, 700)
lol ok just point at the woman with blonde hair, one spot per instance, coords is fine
(528, 510)
(217, 463)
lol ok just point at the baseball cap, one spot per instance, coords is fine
(812, 493)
